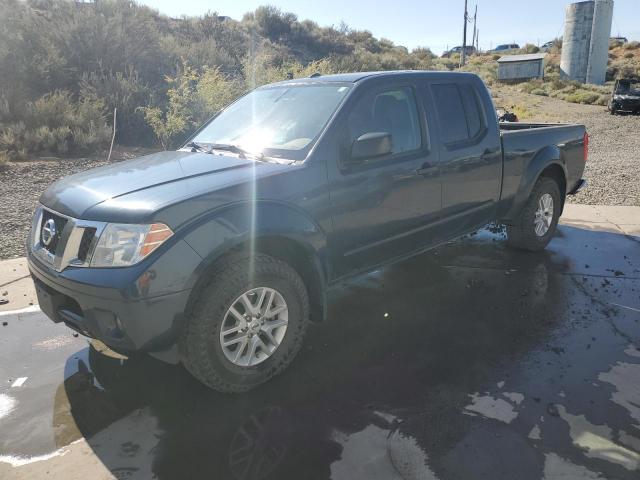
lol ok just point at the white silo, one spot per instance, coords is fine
(585, 45)
(599, 47)
(576, 40)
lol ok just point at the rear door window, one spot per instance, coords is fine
(453, 125)
(459, 112)
(473, 114)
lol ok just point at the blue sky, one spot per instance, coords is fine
(432, 23)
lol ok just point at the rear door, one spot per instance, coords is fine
(470, 154)
(382, 207)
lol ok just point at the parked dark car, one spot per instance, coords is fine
(507, 47)
(625, 97)
(618, 40)
(548, 46)
(469, 50)
(220, 254)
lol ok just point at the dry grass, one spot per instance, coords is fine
(624, 61)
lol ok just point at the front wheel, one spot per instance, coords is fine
(538, 219)
(247, 324)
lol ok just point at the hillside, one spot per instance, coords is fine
(65, 67)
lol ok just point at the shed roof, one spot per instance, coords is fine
(522, 58)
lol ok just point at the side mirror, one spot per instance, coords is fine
(371, 145)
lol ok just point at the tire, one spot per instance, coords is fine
(523, 235)
(200, 344)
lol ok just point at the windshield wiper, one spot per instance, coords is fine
(197, 147)
(227, 147)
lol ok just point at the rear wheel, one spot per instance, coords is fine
(246, 325)
(538, 219)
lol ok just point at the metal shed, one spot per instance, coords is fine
(521, 67)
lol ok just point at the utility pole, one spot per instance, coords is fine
(475, 32)
(463, 54)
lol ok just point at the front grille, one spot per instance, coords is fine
(74, 248)
(85, 243)
(59, 222)
(630, 105)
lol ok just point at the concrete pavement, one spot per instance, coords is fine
(470, 361)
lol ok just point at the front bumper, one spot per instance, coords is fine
(113, 308)
(630, 105)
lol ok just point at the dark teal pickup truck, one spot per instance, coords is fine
(218, 255)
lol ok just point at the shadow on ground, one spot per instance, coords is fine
(470, 361)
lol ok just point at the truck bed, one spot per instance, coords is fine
(524, 144)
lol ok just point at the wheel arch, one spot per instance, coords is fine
(278, 230)
(547, 162)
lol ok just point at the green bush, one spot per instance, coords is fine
(172, 124)
(125, 91)
(193, 97)
(539, 91)
(529, 87)
(55, 124)
(585, 97)
(615, 44)
(530, 48)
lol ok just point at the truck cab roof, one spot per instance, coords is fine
(362, 76)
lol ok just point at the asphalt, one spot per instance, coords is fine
(471, 361)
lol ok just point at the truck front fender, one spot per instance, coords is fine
(279, 229)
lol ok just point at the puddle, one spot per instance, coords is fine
(491, 407)
(596, 441)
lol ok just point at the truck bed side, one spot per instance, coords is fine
(528, 149)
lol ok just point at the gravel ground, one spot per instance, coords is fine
(612, 169)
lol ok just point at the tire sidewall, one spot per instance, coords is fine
(544, 185)
(220, 296)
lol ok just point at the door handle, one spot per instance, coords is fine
(488, 153)
(427, 170)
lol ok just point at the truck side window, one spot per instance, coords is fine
(475, 118)
(453, 124)
(459, 111)
(393, 111)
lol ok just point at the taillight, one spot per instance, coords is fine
(585, 143)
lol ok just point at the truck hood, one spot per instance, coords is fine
(76, 194)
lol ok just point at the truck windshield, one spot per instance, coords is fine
(277, 121)
(627, 88)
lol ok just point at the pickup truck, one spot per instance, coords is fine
(220, 254)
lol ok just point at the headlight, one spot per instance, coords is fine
(124, 244)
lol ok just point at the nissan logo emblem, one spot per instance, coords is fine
(48, 232)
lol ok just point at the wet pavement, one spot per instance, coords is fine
(471, 361)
